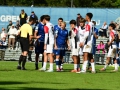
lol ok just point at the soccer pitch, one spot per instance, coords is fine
(12, 79)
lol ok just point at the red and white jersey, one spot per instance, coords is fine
(74, 38)
(112, 34)
(48, 28)
(90, 36)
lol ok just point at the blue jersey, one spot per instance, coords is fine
(96, 32)
(40, 29)
(94, 41)
(61, 37)
(56, 28)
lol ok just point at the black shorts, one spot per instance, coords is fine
(39, 47)
(24, 42)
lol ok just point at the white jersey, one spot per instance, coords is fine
(112, 33)
(49, 29)
(74, 38)
(82, 32)
(90, 36)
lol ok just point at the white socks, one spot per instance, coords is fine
(93, 66)
(105, 66)
(75, 66)
(84, 65)
(51, 66)
(116, 66)
(44, 65)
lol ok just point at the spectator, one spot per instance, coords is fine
(17, 25)
(103, 30)
(78, 19)
(101, 51)
(3, 45)
(23, 17)
(3, 33)
(12, 33)
(33, 15)
(9, 26)
(17, 38)
(117, 27)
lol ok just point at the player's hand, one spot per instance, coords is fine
(38, 36)
(45, 47)
(55, 47)
(109, 43)
(81, 45)
(69, 48)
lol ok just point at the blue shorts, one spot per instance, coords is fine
(60, 51)
(39, 47)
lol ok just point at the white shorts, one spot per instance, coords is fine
(75, 52)
(112, 51)
(49, 49)
(87, 48)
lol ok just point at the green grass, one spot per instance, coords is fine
(11, 78)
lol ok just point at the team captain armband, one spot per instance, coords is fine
(87, 27)
(46, 29)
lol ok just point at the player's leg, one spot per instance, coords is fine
(85, 62)
(116, 65)
(92, 63)
(78, 64)
(36, 61)
(45, 62)
(57, 62)
(75, 59)
(42, 59)
(25, 52)
(62, 59)
(50, 55)
(110, 54)
(21, 56)
(106, 64)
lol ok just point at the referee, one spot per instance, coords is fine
(25, 40)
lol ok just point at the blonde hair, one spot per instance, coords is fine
(64, 23)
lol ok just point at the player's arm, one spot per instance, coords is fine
(31, 34)
(55, 43)
(68, 43)
(46, 29)
(96, 34)
(36, 31)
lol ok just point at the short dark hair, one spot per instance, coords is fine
(90, 15)
(73, 22)
(31, 19)
(112, 25)
(47, 17)
(42, 17)
(60, 19)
